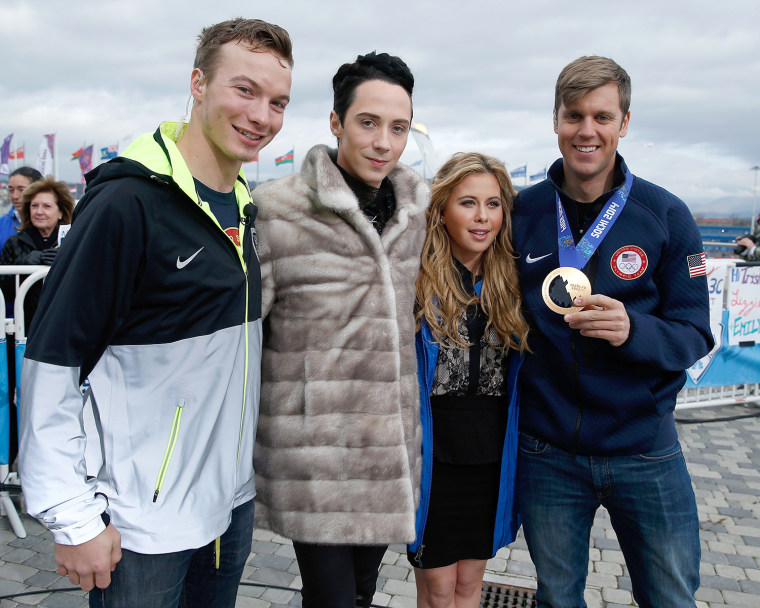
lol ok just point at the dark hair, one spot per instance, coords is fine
(255, 34)
(28, 172)
(371, 66)
(62, 196)
(578, 78)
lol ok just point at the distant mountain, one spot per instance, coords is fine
(739, 207)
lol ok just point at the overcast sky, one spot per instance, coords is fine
(95, 72)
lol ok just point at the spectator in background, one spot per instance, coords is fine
(45, 204)
(10, 223)
(751, 251)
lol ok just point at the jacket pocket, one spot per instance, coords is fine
(179, 407)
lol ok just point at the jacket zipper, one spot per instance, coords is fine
(170, 446)
(245, 373)
(241, 259)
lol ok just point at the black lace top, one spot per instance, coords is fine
(467, 398)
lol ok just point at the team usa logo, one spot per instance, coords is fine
(629, 262)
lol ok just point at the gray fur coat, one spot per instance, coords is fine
(337, 454)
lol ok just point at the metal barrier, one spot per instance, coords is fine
(15, 327)
(730, 374)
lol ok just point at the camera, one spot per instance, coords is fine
(740, 249)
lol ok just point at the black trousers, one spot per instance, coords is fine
(338, 576)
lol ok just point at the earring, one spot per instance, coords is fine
(441, 221)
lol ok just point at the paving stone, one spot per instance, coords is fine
(608, 568)
(750, 587)
(18, 556)
(714, 557)
(42, 579)
(706, 569)
(286, 551)
(619, 596)
(42, 561)
(248, 590)
(32, 600)
(277, 596)
(606, 543)
(708, 594)
(742, 561)
(521, 568)
(520, 555)
(624, 582)
(751, 540)
(274, 562)
(737, 600)
(593, 598)
(64, 600)
(16, 572)
(260, 547)
(393, 587)
(271, 577)
(718, 582)
(398, 601)
(250, 602)
(395, 572)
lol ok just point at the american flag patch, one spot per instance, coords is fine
(697, 265)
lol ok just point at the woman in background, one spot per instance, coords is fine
(45, 205)
(470, 340)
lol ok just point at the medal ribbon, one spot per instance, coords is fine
(577, 256)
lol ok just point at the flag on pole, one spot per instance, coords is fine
(85, 159)
(109, 152)
(285, 158)
(519, 172)
(539, 175)
(45, 155)
(18, 153)
(5, 153)
(77, 154)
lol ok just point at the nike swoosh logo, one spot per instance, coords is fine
(531, 260)
(182, 263)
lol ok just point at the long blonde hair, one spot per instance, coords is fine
(441, 298)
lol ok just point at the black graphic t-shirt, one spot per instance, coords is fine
(224, 206)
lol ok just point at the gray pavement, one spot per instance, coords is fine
(724, 461)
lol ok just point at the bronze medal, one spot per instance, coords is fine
(561, 286)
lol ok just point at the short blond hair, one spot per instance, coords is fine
(587, 73)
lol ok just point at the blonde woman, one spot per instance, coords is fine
(470, 340)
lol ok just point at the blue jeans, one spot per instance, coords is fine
(652, 510)
(183, 579)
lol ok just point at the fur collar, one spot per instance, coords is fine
(320, 173)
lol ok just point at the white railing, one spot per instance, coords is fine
(15, 327)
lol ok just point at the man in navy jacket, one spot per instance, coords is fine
(613, 275)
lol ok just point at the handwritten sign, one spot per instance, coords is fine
(717, 271)
(743, 303)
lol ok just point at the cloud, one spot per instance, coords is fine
(484, 70)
